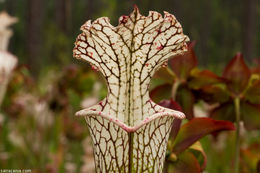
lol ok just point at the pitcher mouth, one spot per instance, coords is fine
(125, 127)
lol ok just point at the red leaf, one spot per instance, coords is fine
(171, 104)
(183, 64)
(237, 74)
(196, 129)
(213, 94)
(203, 78)
(224, 112)
(186, 99)
(161, 92)
(176, 125)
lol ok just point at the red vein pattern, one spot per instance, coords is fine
(129, 131)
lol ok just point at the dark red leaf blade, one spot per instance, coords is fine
(203, 78)
(171, 104)
(183, 64)
(161, 92)
(196, 129)
(251, 115)
(176, 125)
(213, 94)
(224, 112)
(186, 99)
(237, 74)
(186, 163)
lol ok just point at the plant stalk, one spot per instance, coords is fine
(174, 89)
(237, 154)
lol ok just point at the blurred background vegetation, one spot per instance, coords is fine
(47, 29)
(38, 129)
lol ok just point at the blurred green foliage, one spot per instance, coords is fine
(38, 129)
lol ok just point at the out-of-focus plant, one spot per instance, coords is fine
(38, 105)
(5, 33)
(129, 131)
(234, 96)
(7, 60)
(237, 98)
(20, 82)
(67, 89)
(7, 64)
(183, 79)
(185, 153)
(240, 90)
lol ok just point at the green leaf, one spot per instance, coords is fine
(237, 74)
(74, 98)
(161, 92)
(196, 129)
(186, 99)
(198, 151)
(253, 92)
(186, 163)
(251, 115)
(183, 64)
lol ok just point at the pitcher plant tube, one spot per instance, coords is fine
(129, 131)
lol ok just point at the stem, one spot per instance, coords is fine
(130, 152)
(237, 155)
(174, 89)
(2, 91)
